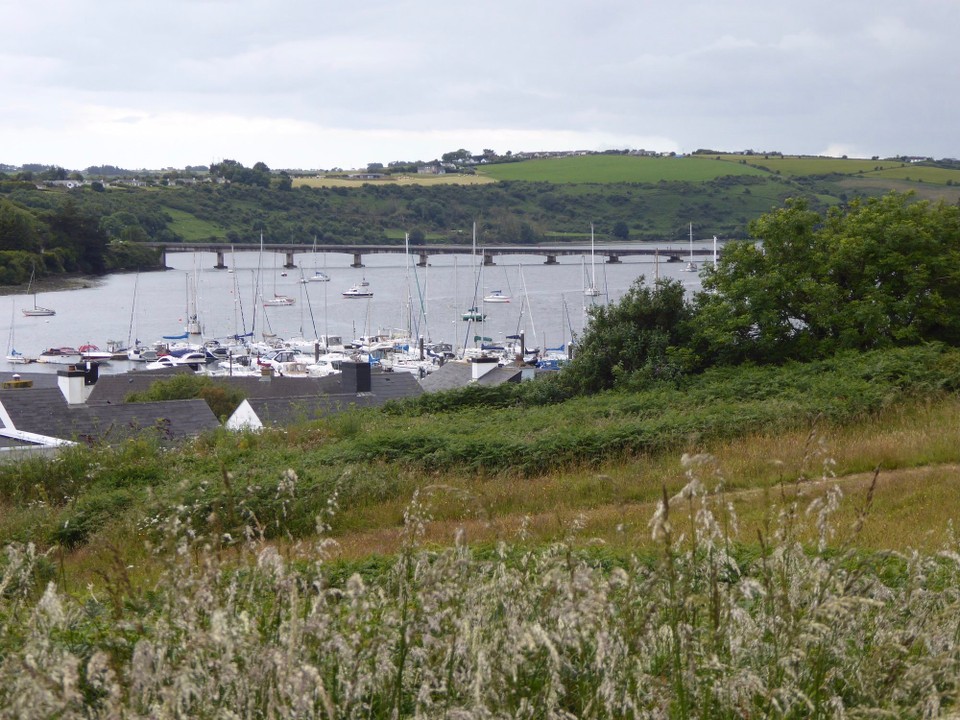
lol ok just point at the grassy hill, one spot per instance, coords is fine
(534, 200)
(619, 169)
(673, 547)
(522, 202)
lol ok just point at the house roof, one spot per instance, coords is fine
(288, 409)
(45, 411)
(113, 389)
(455, 375)
(39, 379)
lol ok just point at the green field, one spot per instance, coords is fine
(617, 169)
(803, 165)
(806, 166)
(193, 229)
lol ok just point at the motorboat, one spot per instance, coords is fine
(474, 314)
(92, 352)
(60, 356)
(358, 291)
(192, 358)
(319, 277)
(497, 296)
(278, 301)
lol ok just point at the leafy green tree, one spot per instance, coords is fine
(284, 181)
(457, 156)
(877, 273)
(18, 228)
(621, 230)
(638, 338)
(54, 173)
(77, 231)
(222, 400)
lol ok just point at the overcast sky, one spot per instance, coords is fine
(318, 84)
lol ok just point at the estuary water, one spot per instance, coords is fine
(547, 301)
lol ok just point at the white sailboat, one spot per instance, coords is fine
(592, 290)
(14, 356)
(36, 310)
(691, 265)
(318, 275)
(278, 299)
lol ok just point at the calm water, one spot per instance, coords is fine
(547, 300)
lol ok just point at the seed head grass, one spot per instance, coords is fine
(711, 616)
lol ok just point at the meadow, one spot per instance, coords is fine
(606, 169)
(751, 542)
(425, 180)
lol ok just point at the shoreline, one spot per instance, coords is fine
(68, 281)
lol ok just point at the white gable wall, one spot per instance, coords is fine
(244, 418)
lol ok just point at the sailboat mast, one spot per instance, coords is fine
(593, 266)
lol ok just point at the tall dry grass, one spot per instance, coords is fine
(801, 624)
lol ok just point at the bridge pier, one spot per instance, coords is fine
(613, 259)
(551, 260)
(357, 261)
(488, 259)
(220, 263)
(423, 260)
(289, 264)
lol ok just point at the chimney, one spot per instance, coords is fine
(355, 377)
(480, 366)
(73, 385)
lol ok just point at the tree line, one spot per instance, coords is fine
(877, 273)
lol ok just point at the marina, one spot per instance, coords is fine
(434, 302)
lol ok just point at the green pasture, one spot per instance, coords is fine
(920, 173)
(617, 169)
(803, 165)
(191, 228)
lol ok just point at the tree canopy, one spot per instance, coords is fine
(877, 273)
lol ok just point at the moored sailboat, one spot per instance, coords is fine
(36, 310)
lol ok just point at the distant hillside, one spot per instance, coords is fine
(626, 197)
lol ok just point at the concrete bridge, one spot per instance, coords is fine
(612, 253)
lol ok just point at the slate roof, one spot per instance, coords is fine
(39, 379)
(45, 411)
(288, 409)
(113, 389)
(455, 375)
